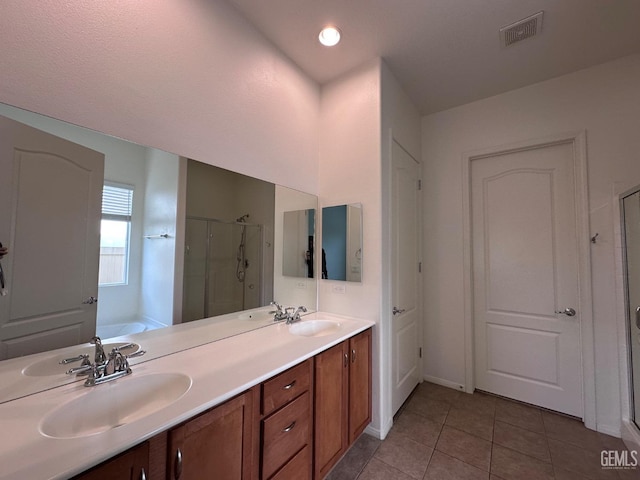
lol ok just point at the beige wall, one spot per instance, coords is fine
(604, 101)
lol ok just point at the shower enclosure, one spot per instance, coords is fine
(222, 267)
(630, 207)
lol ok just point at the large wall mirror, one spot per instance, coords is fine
(162, 241)
(342, 243)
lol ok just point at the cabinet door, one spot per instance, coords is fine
(216, 444)
(359, 384)
(331, 407)
(131, 465)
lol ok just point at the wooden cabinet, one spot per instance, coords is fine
(216, 444)
(278, 430)
(359, 384)
(342, 399)
(130, 465)
(286, 424)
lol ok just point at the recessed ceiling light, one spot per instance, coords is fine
(329, 36)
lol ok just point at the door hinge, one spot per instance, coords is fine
(420, 352)
(419, 184)
(419, 267)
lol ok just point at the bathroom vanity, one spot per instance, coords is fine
(280, 402)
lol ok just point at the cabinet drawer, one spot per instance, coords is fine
(285, 387)
(299, 467)
(285, 433)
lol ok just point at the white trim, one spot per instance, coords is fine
(380, 434)
(578, 140)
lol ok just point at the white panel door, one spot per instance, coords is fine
(405, 224)
(50, 209)
(525, 271)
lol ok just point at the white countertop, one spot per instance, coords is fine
(219, 371)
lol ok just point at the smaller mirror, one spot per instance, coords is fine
(342, 243)
(298, 240)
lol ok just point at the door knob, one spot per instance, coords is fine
(397, 310)
(569, 312)
(90, 301)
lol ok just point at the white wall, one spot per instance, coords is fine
(159, 255)
(400, 120)
(359, 113)
(189, 77)
(605, 102)
(350, 173)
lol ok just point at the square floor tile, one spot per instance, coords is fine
(428, 407)
(521, 440)
(475, 422)
(466, 447)
(378, 470)
(404, 454)
(511, 465)
(520, 415)
(579, 460)
(418, 428)
(444, 467)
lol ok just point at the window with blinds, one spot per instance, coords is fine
(117, 207)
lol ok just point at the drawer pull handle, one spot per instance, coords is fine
(353, 355)
(178, 466)
(143, 475)
(289, 428)
(290, 386)
(346, 360)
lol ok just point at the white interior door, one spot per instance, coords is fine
(525, 271)
(405, 225)
(50, 209)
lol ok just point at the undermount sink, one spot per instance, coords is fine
(314, 328)
(114, 404)
(51, 365)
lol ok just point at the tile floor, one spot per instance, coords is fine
(440, 433)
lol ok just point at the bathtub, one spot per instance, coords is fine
(118, 329)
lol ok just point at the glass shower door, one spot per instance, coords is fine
(631, 219)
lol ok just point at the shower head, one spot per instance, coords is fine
(243, 218)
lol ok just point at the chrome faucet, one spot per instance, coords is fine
(104, 368)
(99, 357)
(280, 313)
(116, 366)
(295, 316)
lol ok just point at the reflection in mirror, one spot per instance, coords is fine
(228, 244)
(342, 243)
(298, 243)
(140, 284)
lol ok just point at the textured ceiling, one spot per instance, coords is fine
(447, 52)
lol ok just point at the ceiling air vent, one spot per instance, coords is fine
(522, 29)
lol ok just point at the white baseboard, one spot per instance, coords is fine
(614, 431)
(377, 433)
(444, 383)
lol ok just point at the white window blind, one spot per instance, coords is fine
(117, 202)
